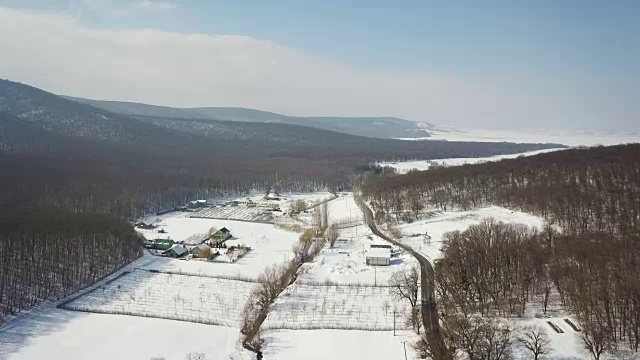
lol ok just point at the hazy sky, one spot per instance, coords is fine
(503, 64)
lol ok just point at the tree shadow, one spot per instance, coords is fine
(18, 332)
(49, 318)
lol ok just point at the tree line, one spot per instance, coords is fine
(52, 254)
(588, 253)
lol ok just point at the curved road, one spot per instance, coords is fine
(430, 318)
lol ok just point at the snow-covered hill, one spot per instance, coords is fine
(566, 137)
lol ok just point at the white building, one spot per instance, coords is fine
(379, 256)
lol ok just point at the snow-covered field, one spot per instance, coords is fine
(442, 222)
(345, 263)
(270, 245)
(337, 344)
(337, 307)
(168, 296)
(343, 210)
(51, 333)
(405, 166)
(258, 214)
(566, 137)
(55, 334)
(304, 306)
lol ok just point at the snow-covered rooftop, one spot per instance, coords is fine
(379, 253)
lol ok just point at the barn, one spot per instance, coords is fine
(379, 256)
(177, 250)
(202, 251)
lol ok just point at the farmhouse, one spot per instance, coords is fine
(378, 256)
(177, 250)
(222, 234)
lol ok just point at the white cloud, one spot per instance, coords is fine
(56, 53)
(156, 5)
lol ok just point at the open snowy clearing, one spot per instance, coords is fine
(405, 166)
(167, 296)
(337, 307)
(442, 222)
(311, 306)
(346, 263)
(337, 344)
(343, 211)
(566, 137)
(49, 333)
(270, 245)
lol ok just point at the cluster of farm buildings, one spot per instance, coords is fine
(206, 247)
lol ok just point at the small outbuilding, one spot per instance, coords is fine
(161, 244)
(144, 225)
(197, 204)
(177, 250)
(379, 256)
(202, 251)
(381, 246)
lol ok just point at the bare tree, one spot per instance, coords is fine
(298, 206)
(404, 285)
(479, 338)
(331, 235)
(415, 319)
(325, 216)
(212, 230)
(316, 222)
(394, 231)
(596, 340)
(422, 349)
(536, 340)
(306, 236)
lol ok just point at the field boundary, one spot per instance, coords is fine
(231, 219)
(62, 304)
(400, 326)
(221, 277)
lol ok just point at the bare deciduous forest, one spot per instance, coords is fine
(52, 254)
(589, 253)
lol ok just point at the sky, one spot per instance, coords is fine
(492, 64)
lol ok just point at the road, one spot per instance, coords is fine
(430, 319)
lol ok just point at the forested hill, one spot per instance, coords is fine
(137, 164)
(72, 174)
(592, 195)
(377, 127)
(582, 190)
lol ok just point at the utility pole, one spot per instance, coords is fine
(405, 349)
(394, 322)
(375, 276)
